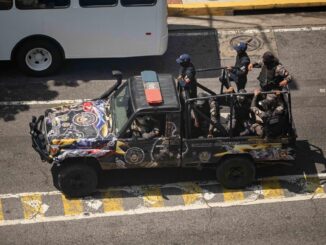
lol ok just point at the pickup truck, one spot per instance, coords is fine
(82, 139)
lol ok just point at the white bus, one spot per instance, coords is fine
(39, 34)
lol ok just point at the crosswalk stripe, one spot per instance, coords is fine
(32, 206)
(112, 201)
(232, 195)
(153, 197)
(72, 206)
(1, 211)
(272, 188)
(313, 185)
(191, 193)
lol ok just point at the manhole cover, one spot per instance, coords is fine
(254, 43)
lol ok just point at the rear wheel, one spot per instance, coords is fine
(236, 172)
(77, 180)
(39, 57)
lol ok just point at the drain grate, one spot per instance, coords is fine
(254, 42)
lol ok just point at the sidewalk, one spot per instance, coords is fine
(227, 7)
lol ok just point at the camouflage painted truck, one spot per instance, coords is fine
(81, 140)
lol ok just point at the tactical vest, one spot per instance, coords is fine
(268, 80)
(275, 125)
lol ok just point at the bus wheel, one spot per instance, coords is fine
(236, 172)
(39, 57)
(77, 180)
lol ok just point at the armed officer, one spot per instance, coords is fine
(270, 119)
(238, 72)
(242, 116)
(187, 76)
(273, 75)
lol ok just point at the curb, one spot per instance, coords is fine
(227, 8)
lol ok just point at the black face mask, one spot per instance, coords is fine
(269, 65)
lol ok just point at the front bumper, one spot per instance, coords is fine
(38, 138)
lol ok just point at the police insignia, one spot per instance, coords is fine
(134, 155)
(204, 156)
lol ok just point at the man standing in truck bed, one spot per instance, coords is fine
(238, 72)
(273, 75)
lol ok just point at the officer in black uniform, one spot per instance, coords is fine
(187, 76)
(238, 72)
(145, 127)
(273, 75)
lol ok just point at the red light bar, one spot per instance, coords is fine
(152, 87)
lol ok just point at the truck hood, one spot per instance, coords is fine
(87, 120)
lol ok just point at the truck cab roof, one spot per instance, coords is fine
(170, 98)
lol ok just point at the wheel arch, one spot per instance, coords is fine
(33, 38)
(90, 161)
(241, 155)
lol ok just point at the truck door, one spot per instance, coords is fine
(154, 146)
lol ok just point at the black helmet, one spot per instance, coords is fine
(269, 58)
(241, 47)
(241, 97)
(184, 58)
(269, 103)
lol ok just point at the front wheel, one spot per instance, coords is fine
(236, 172)
(77, 180)
(39, 57)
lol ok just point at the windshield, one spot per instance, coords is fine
(122, 108)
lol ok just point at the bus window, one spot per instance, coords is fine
(5, 4)
(42, 4)
(93, 3)
(128, 3)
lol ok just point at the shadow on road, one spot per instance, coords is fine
(307, 156)
(201, 44)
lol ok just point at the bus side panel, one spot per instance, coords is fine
(112, 32)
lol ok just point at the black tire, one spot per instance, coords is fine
(77, 180)
(236, 172)
(57, 57)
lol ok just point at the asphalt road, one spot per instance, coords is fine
(207, 39)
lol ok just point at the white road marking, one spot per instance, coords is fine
(322, 90)
(18, 195)
(94, 204)
(192, 33)
(143, 210)
(247, 31)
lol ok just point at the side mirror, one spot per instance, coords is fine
(117, 75)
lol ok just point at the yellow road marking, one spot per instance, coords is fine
(153, 197)
(1, 212)
(313, 185)
(191, 193)
(32, 206)
(272, 188)
(232, 195)
(72, 206)
(112, 201)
